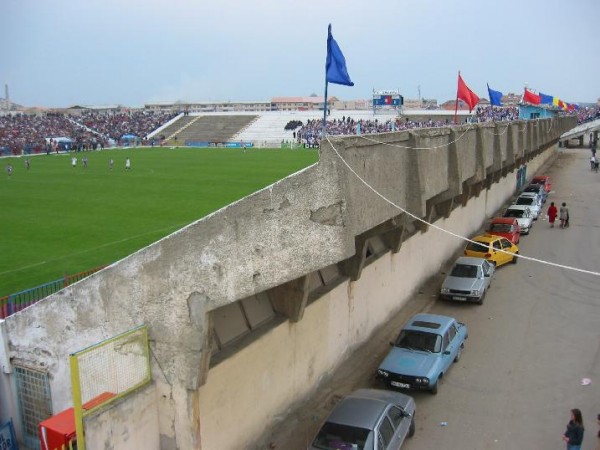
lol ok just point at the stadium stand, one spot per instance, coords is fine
(207, 128)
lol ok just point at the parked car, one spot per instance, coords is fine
(368, 419)
(423, 352)
(507, 227)
(538, 189)
(544, 180)
(496, 249)
(469, 280)
(532, 200)
(523, 216)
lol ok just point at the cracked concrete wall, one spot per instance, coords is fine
(302, 223)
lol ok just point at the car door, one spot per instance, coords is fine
(487, 275)
(385, 434)
(448, 351)
(401, 424)
(506, 246)
(497, 256)
(527, 214)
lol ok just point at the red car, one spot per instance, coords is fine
(507, 227)
(544, 180)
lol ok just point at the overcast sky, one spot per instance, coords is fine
(58, 53)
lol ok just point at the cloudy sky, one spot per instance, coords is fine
(58, 53)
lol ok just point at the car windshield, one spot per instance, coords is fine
(501, 228)
(513, 213)
(524, 201)
(419, 340)
(464, 271)
(478, 246)
(335, 436)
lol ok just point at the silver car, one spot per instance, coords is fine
(469, 280)
(523, 216)
(368, 419)
(532, 200)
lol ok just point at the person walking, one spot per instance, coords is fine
(564, 216)
(127, 164)
(573, 437)
(552, 213)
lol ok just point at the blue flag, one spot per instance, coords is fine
(495, 97)
(546, 99)
(335, 65)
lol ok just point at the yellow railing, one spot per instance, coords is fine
(107, 371)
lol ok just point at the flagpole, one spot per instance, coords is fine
(324, 128)
(456, 106)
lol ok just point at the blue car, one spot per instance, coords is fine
(423, 352)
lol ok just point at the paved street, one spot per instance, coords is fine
(532, 342)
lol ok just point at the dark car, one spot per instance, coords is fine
(368, 419)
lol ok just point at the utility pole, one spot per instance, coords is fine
(419, 89)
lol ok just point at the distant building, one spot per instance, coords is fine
(511, 99)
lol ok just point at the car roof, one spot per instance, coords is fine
(536, 186)
(508, 220)
(486, 238)
(470, 261)
(418, 321)
(541, 177)
(363, 407)
(528, 194)
(358, 412)
(519, 207)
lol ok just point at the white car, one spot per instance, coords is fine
(523, 215)
(532, 200)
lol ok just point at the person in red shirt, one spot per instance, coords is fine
(552, 213)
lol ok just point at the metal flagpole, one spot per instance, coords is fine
(324, 129)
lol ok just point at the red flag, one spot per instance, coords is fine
(532, 98)
(466, 94)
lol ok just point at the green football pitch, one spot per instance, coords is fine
(58, 219)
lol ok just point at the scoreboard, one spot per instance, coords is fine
(387, 98)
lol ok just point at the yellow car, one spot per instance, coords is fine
(496, 249)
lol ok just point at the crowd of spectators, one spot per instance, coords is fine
(310, 133)
(33, 133)
(293, 124)
(587, 114)
(21, 132)
(115, 125)
(496, 114)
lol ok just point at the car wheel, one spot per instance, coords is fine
(515, 258)
(434, 388)
(412, 428)
(459, 353)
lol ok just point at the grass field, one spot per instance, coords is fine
(59, 220)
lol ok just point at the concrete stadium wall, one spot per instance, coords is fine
(265, 243)
(283, 366)
(131, 423)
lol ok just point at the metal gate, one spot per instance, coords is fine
(34, 402)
